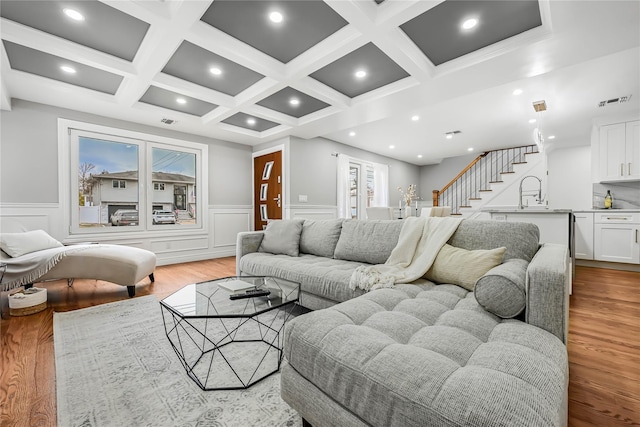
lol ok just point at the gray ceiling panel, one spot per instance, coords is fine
(46, 65)
(304, 24)
(104, 28)
(380, 69)
(281, 102)
(193, 63)
(241, 120)
(168, 99)
(438, 33)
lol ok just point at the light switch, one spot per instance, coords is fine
(302, 198)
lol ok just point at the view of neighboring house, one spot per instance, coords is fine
(110, 192)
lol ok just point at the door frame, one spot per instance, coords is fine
(284, 179)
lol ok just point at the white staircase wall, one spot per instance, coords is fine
(504, 195)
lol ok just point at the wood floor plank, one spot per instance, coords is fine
(604, 347)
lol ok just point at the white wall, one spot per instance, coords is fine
(29, 185)
(569, 183)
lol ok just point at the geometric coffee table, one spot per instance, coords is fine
(227, 344)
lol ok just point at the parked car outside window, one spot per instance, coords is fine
(124, 217)
(164, 217)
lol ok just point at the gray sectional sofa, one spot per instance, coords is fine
(425, 353)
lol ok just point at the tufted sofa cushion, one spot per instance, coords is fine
(428, 354)
(325, 277)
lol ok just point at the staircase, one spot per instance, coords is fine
(484, 178)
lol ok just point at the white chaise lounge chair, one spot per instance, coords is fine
(34, 256)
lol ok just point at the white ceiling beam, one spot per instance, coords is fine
(157, 48)
(5, 70)
(216, 41)
(175, 84)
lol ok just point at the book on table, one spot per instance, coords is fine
(236, 286)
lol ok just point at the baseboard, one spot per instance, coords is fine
(610, 265)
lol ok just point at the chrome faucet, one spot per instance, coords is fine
(538, 199)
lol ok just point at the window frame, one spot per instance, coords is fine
(68, 160)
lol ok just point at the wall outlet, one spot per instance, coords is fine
(302, 198)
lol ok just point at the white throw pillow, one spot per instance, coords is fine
(463, 267)
(17, 244)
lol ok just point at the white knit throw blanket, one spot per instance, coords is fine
(418, 245)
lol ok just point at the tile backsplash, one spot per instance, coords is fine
(626, 195)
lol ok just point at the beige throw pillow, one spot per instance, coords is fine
(17, 244)
(462, 267)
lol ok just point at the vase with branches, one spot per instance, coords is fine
(408, 196)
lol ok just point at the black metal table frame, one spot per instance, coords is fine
(178, 319)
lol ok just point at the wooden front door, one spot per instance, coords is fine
(267, 192)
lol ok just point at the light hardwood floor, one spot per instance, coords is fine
(604, 343)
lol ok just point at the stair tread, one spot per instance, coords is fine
(507, 172)
(485, 190)
(475, 198)
(520, 163)
(495, 182)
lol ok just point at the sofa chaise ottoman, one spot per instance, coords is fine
(428, 353)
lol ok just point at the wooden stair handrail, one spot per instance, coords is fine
(436, 193)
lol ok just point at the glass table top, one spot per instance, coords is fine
(211, 299)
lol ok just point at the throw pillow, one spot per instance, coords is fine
(369, 241)
(320, 237)
(462, 267)
(282, 237)
(501, 290)
(17, 244)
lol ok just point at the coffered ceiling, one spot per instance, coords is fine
(365, 73)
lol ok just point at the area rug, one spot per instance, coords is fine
(115, 367)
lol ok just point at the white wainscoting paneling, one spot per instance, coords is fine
(311, 212)
(227, 225)
(217, 239)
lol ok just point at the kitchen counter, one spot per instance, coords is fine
(528, 211)
(636, 210)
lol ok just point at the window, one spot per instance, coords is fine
(361, 185)
(123, 177)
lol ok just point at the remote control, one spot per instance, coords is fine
(250, 294)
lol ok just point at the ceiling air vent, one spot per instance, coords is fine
(614, 101)
(169, 121)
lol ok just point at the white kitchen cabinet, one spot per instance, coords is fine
(619, 152)
(584, 235)
(617, 237)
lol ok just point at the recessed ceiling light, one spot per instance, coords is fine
(68, 69)
(251, 121)
(361, 74)
(469, 23)
(415, 118)
(392, 147)
(517, 92)
(551, 137)
(73, 14)
(181, 100)
(294, 101)
(215, 71)
(352, 133)
(419, 156)
(470, 149)
(276, 17)
(532, 120)
(449, 135)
